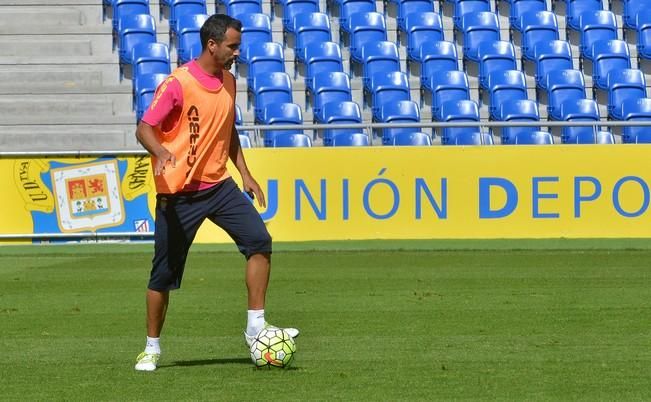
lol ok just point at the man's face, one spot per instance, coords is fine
(226, 52)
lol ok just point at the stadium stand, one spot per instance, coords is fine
(75, 79)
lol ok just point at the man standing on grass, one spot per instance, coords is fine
(189, 130)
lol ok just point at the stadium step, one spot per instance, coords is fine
(24, 109)
(69, 137)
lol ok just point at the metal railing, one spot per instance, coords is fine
(368, 128)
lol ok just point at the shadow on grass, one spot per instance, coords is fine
(206, 362)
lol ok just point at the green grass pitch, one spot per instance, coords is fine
(380, 321)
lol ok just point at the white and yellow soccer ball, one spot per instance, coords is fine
(273, 347)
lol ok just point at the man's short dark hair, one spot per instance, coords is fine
(215, 28)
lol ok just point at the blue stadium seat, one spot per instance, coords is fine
(182, 7)
(608, 56)
(518, 110)
(644, 34)
(269, 88)
(562, 86)
(281, 114)
(238, 115)
(188, 39)
(505, 85)
(378, 57)
(404, 111)
(596, 26)
(605, 137)
(471, 138)
(414, 138)
(245, 141)
(291, 141)
(462, 111)
(339, 113)
(238, 8)
(422, 28)
(478, 27)
(365, 28)
(447, 86)
(636, 109)
(310, 28)
(145, 88)
(579, 110)
(388, 87)
(135, 29)
(351, 7)
(414, 8)
(122, 8)
(256, 28)
(495, 56)
(349, 140)
(292, 8)
(521, 7)
(533, 138)
(550, 57)
(149, 58)
(537, 27)
(330, 87)
(437, 57)
(624, 85)
(321, 57)
(264, 57)
(463, 7)
(576, 8)
(631, 9)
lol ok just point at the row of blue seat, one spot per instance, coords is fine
(378, 113)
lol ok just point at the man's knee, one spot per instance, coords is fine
(257, 243)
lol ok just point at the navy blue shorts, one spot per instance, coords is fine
(178, 217)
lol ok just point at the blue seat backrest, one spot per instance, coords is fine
(436, 57)
(520, 7)
(537, 27)
(596, 26)
(551, 56)
(561, 86)
(422, 28)
(478, 27)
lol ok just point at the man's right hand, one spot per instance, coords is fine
(162, 160)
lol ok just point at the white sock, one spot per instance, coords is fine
(254, 322)
(153, 345)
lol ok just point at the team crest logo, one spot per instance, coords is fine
(88, 196)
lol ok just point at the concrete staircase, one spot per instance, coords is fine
(59, 84)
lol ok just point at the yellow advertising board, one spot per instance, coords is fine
(454, 192)
(363, 193)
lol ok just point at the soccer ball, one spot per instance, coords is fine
(273, 347)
